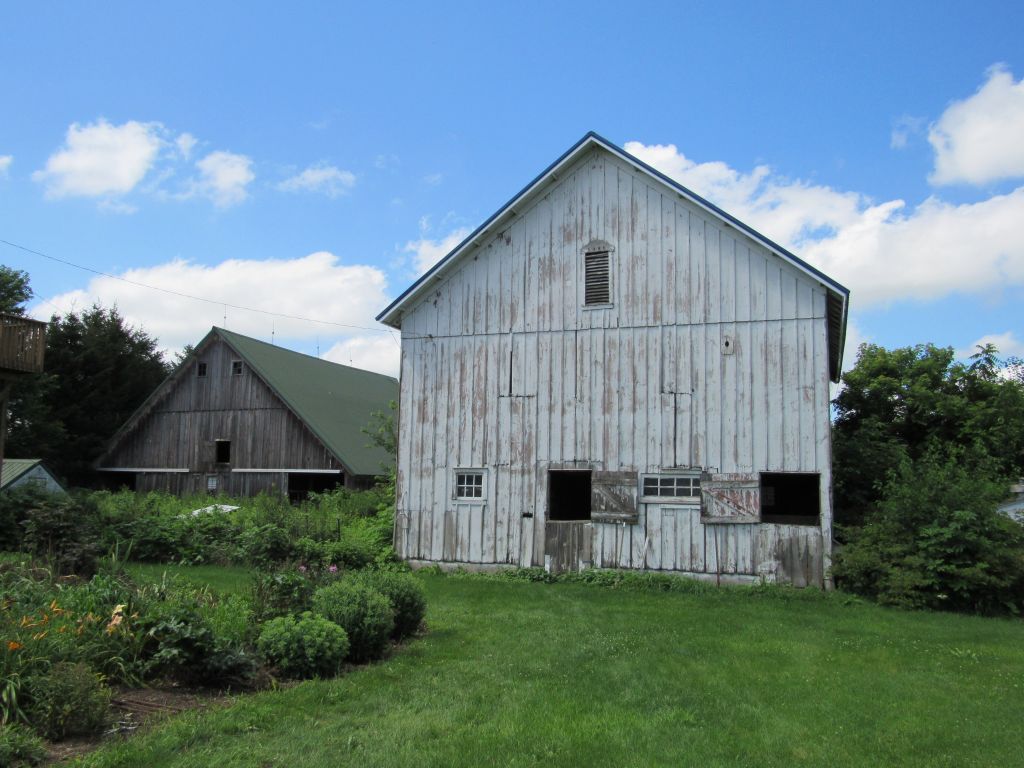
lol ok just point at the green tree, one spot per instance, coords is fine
(99, 369)
(905, 403)
(14, 290)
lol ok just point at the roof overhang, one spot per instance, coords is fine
(838, 295)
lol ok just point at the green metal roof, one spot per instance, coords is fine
(335, 401)
(15, 468)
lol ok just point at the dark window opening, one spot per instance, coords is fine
(201, 370)
(569, 495)
(301, 484)
(118, 481)
(597, 285)
(223, 451)
(790, 498)
(236, 367)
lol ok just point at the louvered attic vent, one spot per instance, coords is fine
(598, 288)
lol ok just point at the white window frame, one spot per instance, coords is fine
(456, 485)
(212, 483)
(693, 476)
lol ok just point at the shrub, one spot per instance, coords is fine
(349, 554)
(405, 593)
(281, 593)
(62, 530)
(69, 700)
(936, 541)
(364, 613)
(178, 643)
(265, 545)
(20, 746)
(309, 646)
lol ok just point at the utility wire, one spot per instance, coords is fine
(190, 296)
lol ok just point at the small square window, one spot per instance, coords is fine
(469, 485)
(236, 367)
(211, 483)
(201, 370)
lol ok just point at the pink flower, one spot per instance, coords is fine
(333, 569)
(302, 569)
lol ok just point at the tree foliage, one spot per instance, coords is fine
(14, 290)
(905, 403)
(99, 369)
(935, 540)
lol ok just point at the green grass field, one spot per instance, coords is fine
(519, 674)
(230, 579)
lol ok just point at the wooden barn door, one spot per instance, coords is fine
(568, 530)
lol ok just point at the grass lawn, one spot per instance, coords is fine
(227, 579)
(518, 674)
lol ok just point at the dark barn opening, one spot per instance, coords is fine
(791, 498)
(117, 481)
(569, 495)
(223, 451)
(301, 484)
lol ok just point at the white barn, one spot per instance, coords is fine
(612, 372)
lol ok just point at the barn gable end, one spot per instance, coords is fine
(230, 420)
(705, 361)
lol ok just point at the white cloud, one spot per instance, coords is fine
(5, 164)
(224, 178)
(314, 286)
(101, 159)
(1007, 343)
(978, 140)
(427, 252)
(185, 143)
(881, 251)
(327, 179)
(433, 179)
(379, 352)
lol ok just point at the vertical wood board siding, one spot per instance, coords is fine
(713, 354)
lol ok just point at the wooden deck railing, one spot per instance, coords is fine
(22, 344)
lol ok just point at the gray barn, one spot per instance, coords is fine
(613, 372)
(241, 416)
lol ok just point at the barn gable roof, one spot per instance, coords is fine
(838, 295)
(335, 402)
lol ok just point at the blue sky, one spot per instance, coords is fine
(310, 159)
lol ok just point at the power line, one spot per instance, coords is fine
(190, 296)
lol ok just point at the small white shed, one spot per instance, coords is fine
(18, 473)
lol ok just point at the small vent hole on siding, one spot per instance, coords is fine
(597, 288)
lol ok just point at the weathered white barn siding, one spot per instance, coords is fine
(714, 355)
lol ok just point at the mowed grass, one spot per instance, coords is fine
(520, 674)
(224, 579)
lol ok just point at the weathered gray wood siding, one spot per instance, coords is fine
(179, 432)
(713, 355)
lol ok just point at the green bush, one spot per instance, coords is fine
(68, 700)
(348, 554)
(178, 643)
(936, 541)
(364, 613)
(265, 545)
(309, 646)
(20, 746)
(406, 595)
(60, 529)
